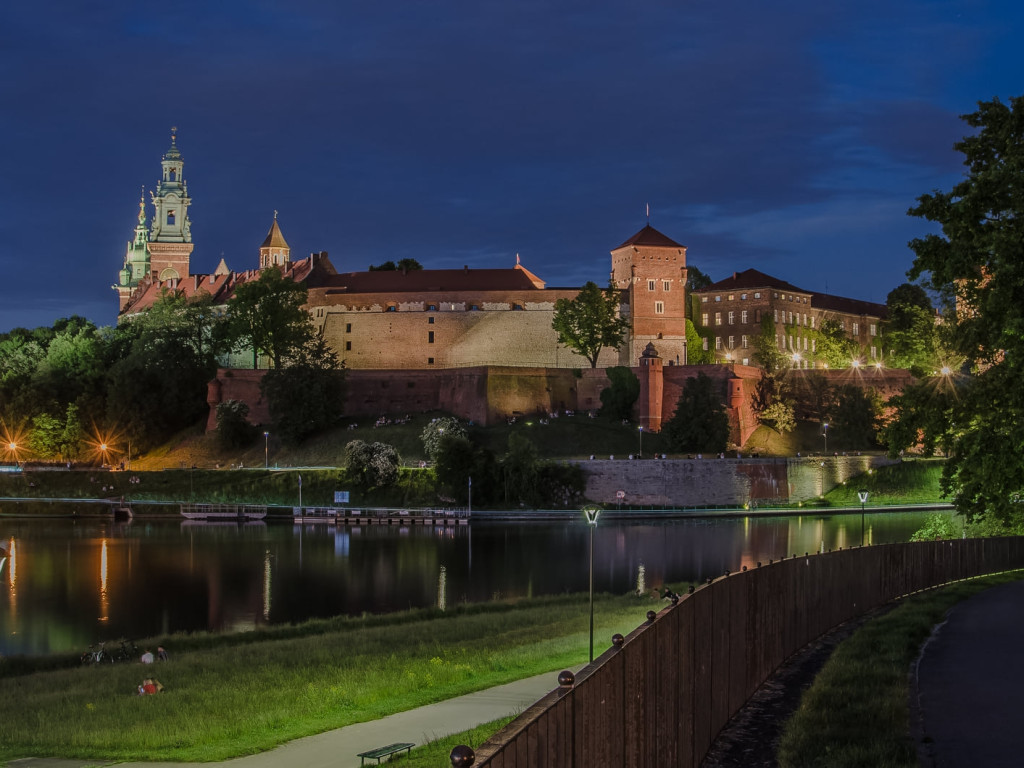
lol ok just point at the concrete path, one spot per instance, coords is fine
(970, 681)
(338, 748)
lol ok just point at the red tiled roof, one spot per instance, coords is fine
(751, 278)
(430, 280)
(848, 306)
(651, 237)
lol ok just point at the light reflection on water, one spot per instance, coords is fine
(70, 583)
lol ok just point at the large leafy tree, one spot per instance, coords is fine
(306, 393)
(910, 335)
(977, 266)
(266, 315)
(766, 349)
(834, 347)
(855, 417)
(700, 422)
(590, 322)
(162, 361)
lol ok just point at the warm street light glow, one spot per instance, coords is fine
(945, 370)
(855, 363)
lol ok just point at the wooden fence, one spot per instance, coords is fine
(660, 698)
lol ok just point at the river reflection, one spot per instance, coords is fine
(69, 583)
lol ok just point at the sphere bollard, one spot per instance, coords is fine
(566, 679)
(618, 640)
(462, 756)
(651, 616)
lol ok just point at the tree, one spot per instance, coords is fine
(855, 416)
(976, 265)
(834, 347)
(404, 265)
(700, 422)
(622, 392)
(696, 351)
(372, 465)
(696, 280)
(921, 415)
(437, 430)
(266, 315)
(520, 469)
(766, 348)
(909, 333)
(306, 393)
(459, 460)
(590, 322)
(233, 427)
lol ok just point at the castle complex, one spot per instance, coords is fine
(441, 319)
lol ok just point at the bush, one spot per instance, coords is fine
(372, 465)
(233, 427)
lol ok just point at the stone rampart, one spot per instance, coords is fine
(728, 482)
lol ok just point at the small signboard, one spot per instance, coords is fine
(863, 496)
(620, 494)
(341, 497)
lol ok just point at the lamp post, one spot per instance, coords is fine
(592, 513)
(863, 496)
(469, 492)
(821, 479)
(824, 434)
(266, 450)
(641, 430)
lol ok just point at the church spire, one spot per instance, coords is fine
(275, 250)
(170, 236)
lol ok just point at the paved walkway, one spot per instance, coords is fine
(338, 748)
(971, 683)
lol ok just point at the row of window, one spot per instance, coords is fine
(731, 317)
(666, 285)
(732, 297)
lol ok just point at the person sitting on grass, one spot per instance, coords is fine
(150, 686)
(161, 653)
(147, 657)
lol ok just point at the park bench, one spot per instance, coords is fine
(381, 752)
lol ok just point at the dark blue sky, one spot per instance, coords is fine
(788, 136)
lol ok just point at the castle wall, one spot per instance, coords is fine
(369, 336)
(482, 394)
(720, 482)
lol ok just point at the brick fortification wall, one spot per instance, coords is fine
(369, 337)
(720, 482)
(484, 395)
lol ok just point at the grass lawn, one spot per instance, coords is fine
(856, 714)
(239, 694)
(909, 482)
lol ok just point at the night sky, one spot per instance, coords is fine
(787, 136)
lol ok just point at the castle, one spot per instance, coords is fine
(460, 320)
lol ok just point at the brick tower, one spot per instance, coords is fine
(170, 237)
(650, 269)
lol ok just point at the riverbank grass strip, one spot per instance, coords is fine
(856, 714)
(240, 696)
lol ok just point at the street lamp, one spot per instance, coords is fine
(863, 496)
(266, 450)
(641, 428)
(591, 514)
(821, 479)
(103, 450)
(824, 434)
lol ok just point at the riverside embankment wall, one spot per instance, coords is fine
(720, 482)
(661, 696)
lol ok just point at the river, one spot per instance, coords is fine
(69, 583)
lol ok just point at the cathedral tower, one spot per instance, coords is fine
(136, 258)
(170, 237)
(274, 251)
(651, 269)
